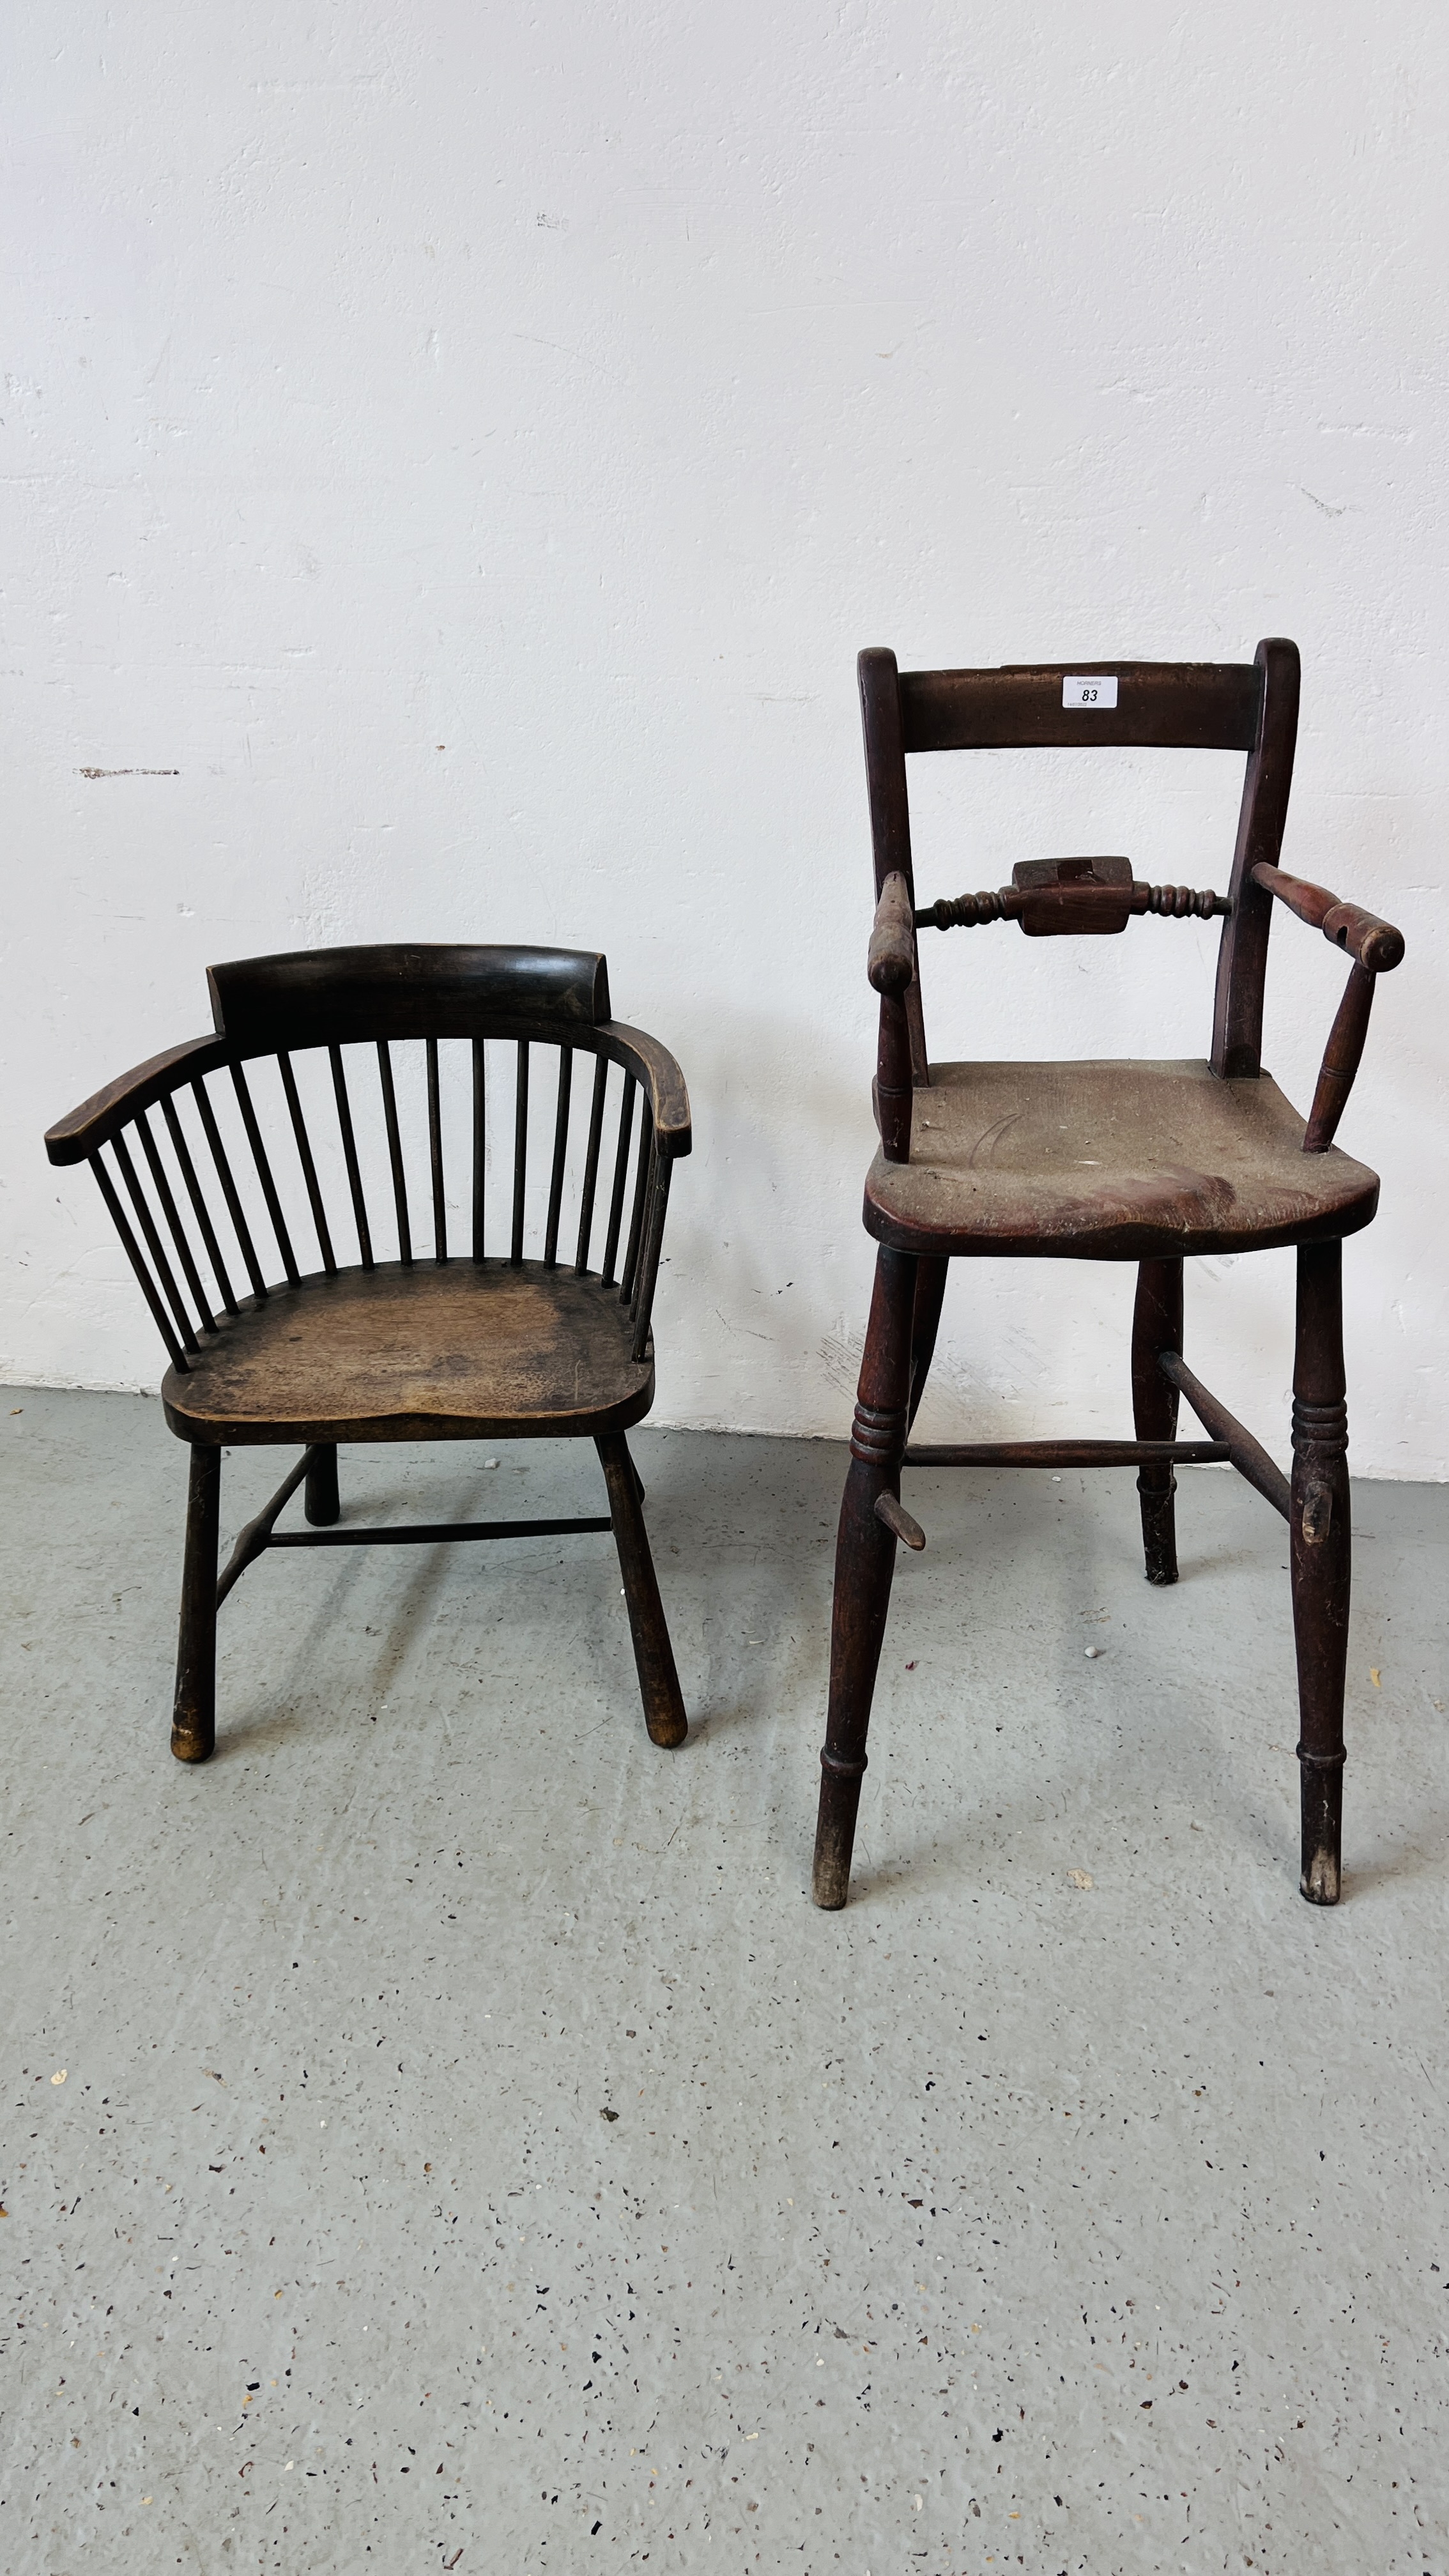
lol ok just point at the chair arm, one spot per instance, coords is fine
(892, 960)
(1372, 943)
(72, 1139)
(655, 1070)
(891, 967)
(1375, 947)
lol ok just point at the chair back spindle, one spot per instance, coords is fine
(480, 1144)
(309, 1167)
(435, 1154)
(560, 1155)
(520, 1152)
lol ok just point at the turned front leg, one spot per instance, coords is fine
(193, 1724)
(1320, 1550)
(865, 1554)
(1156, 1327)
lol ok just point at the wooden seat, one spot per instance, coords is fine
(473, 1351)
(1144, 1162)
(519, 1303)
(1109, 1162)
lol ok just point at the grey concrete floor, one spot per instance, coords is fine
(440, 2132)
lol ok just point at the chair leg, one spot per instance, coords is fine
(865, 1555)
(930, 1290)
(320, 1499)
(1320, 1552)
(658, 1681)
(1156, 1326)
(193, 1725)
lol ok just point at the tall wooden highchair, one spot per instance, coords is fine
(1106, 1161)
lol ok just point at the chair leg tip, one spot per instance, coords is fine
(188, 1747)
(830, 1886)
(668, 1732)
(1162, 1573)
(1320, 1880)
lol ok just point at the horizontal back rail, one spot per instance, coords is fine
(342, 996)
(1206, 706)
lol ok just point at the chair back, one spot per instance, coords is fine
(341, 1115)
(1249, 707)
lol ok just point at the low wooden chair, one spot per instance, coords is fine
(1144, 1162)
(448, 1342)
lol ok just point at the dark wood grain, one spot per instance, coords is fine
(484, 1349)
(161, 1184)
(395, 1152)
(322, 1502)
(1237, 1047)
(1248, 1455)
(1204, 706)
(1108, 1162)
(75, 1139)
(864, 1565)
(340, 996)
(193, 1720)
(202, 1213)
(1341, 1058)
(472, 1351)
(1066, 1453)
(435, 1153)
(891, 959)
(1375, 944)
(307, 1160)
(653, 1654)
(1156, 1327)
(1149, 1162)
(349, 1156)
(890, 819)
(659, 1078)
(1320, 1555)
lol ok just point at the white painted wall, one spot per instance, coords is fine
(467, 447)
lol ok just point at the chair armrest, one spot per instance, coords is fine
(1372, 943)
(72, 1139)
(1375, 947)
(655, 1070)
(892, 960)
(891, 967)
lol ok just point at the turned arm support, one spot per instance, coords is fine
(1376, 948)
(891, 967)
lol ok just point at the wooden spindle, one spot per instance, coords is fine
(349, 1155)
(229, 1190)
(309, 1168)
(132, 1252)
(560, 1155)
(621, 1171)
(394, 1154)
(435, 1155)
(1340, 1061)
(202, 1212)
(636, 1213)
(264, 1172)
(178, 1233)
(480, 1144)
(520, 1151)
(649, 1262)
(591, 1165)
(154, 1245)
